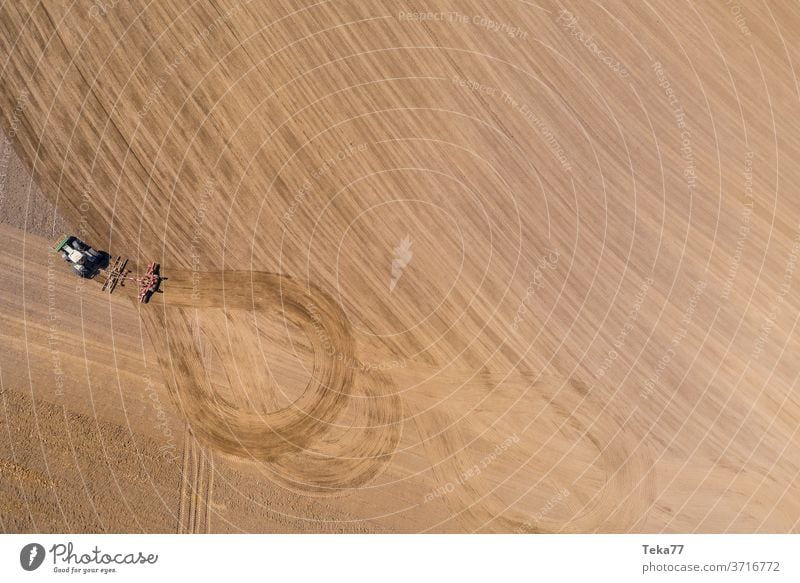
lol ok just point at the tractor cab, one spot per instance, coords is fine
(85, 261)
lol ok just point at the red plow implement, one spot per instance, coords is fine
(150, 282)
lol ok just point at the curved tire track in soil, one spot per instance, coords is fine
(323, 442)
(350, 456)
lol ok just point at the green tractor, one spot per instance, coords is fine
(85, 261)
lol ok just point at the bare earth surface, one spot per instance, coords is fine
(452, 267)
(22, 203)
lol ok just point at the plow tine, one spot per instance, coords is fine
(116, 274)
(150, 282)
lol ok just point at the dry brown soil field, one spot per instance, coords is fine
(445, 266)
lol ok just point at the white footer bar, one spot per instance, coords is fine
(407, 558)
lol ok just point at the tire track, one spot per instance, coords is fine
(183, 500)
(194, 515)
(356, 451)
(324, 442)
